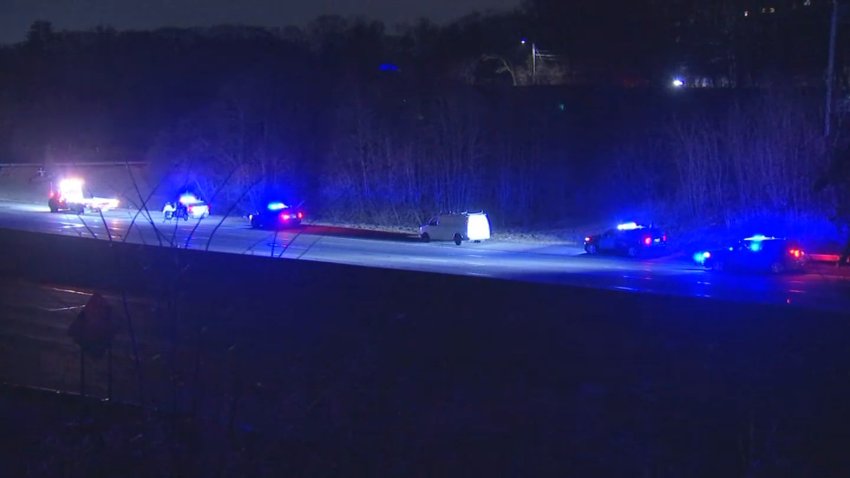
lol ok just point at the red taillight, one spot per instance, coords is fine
(647, 240)
(797, 253)
(664, 238)
(300, 215)
(285, 217)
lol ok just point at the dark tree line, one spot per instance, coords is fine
(366, 124)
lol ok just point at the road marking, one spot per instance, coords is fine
(479, 274)
(626, 276)
(69, 291)
(61, 309)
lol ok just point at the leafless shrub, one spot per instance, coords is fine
(756, 160)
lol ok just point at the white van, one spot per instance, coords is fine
(456, 227)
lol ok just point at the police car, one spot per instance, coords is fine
(756, 253)
(631, 239)
(276, 215)
(188, 206)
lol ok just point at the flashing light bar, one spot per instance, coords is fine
(628, 226)
(759, 238)
(188, 198)
(700, 257)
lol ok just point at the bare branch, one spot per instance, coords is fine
(212, 199)
(232, 207)
(144, 205)
(80, 216)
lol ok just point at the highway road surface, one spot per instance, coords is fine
(822, 288)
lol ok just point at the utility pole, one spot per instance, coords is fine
(830, 70)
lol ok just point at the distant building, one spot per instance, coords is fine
(752, 43)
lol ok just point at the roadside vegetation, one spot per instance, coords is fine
(366, 125)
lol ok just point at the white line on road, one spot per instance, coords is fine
(69, 291)
(62, 309)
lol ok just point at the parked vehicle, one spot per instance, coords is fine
(757, 253)
(187, 206)
(276, 215)
(630, 238)
(67, 196)
(190, 206)
(456, 227)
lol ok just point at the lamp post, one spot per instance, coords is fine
(533, 60)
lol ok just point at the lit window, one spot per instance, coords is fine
(772, 10)
(807, 3)
(746, 13)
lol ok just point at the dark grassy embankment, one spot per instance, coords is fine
(316, 369)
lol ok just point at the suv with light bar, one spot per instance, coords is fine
(630, 238)
(757, 253)
(190, 206)
(276, 215)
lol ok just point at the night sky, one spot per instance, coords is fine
(17, 15)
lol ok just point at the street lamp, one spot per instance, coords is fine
(678, 83)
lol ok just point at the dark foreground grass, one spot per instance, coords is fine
(278, 367)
